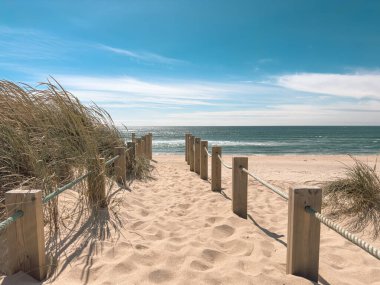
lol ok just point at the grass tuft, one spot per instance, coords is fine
(47, 138)
(355, 199)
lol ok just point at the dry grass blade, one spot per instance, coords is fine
(47, 138)
(355, 199)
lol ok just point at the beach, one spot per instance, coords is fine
(172, 229)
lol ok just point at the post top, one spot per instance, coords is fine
(305, 187)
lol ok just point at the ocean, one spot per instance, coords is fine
(268, 140)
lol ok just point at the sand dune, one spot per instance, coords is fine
(174, 230)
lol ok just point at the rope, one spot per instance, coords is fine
(270, 186)
(224, 164)
(207, 152)
(47, 198)
(112, 160)
(344, 233)
(4, 224)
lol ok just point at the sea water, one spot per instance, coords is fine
(267, 140)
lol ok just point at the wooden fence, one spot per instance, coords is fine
(25, 226)
(304, 207)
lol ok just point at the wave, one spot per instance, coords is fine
(222, 143)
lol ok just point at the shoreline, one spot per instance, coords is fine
(276, 154)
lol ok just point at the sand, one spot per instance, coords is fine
(174, 230)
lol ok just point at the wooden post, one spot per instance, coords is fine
(138, 147)
(150, 149)
(186, 147)
(239, 186)
(216, 169)
(25, 237)
(204, 160)
(120, 165)
(143, 149)
(197, 155)
(147, 146)
(130, 157)
(302, 257)
(133, 137)
(191, 152)
(97, 182)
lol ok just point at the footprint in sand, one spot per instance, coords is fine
(184, 206)
(212, 220)
(222, 231)
(144, 213)
(141, 247)
(160, 276)
(199, 265)
(211, 255)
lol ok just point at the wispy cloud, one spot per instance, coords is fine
(30, 44)
(143, 56)
(347, 85)
(188, 90)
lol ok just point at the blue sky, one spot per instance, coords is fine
(203, 62)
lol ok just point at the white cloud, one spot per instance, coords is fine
(143, 56)
(128, 89)
(348, 85)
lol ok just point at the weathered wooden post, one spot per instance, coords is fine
(302, 257)
(197, 155)
(25, 237)
(143, 149)
(130, 157)
(146, 137)
(239, 186)
(138, 148)
(191, 152)
(204, 160)
(120, 165)
(186, 147)
(150, 149)
(216, 169)
(133, 137)
(96, 181)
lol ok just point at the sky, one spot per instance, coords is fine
(202, 62)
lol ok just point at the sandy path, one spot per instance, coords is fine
(176, 231)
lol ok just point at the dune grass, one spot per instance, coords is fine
(47, 138)
(355, 199)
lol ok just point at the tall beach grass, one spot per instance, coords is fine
(47, 138)
(355, 199)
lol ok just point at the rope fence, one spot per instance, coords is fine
(344, 233)
(208, 154)
(304, 217)
(268, 185)
(224, 164)
(28, 205)
(4, 224)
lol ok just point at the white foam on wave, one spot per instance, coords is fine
(221, 143)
